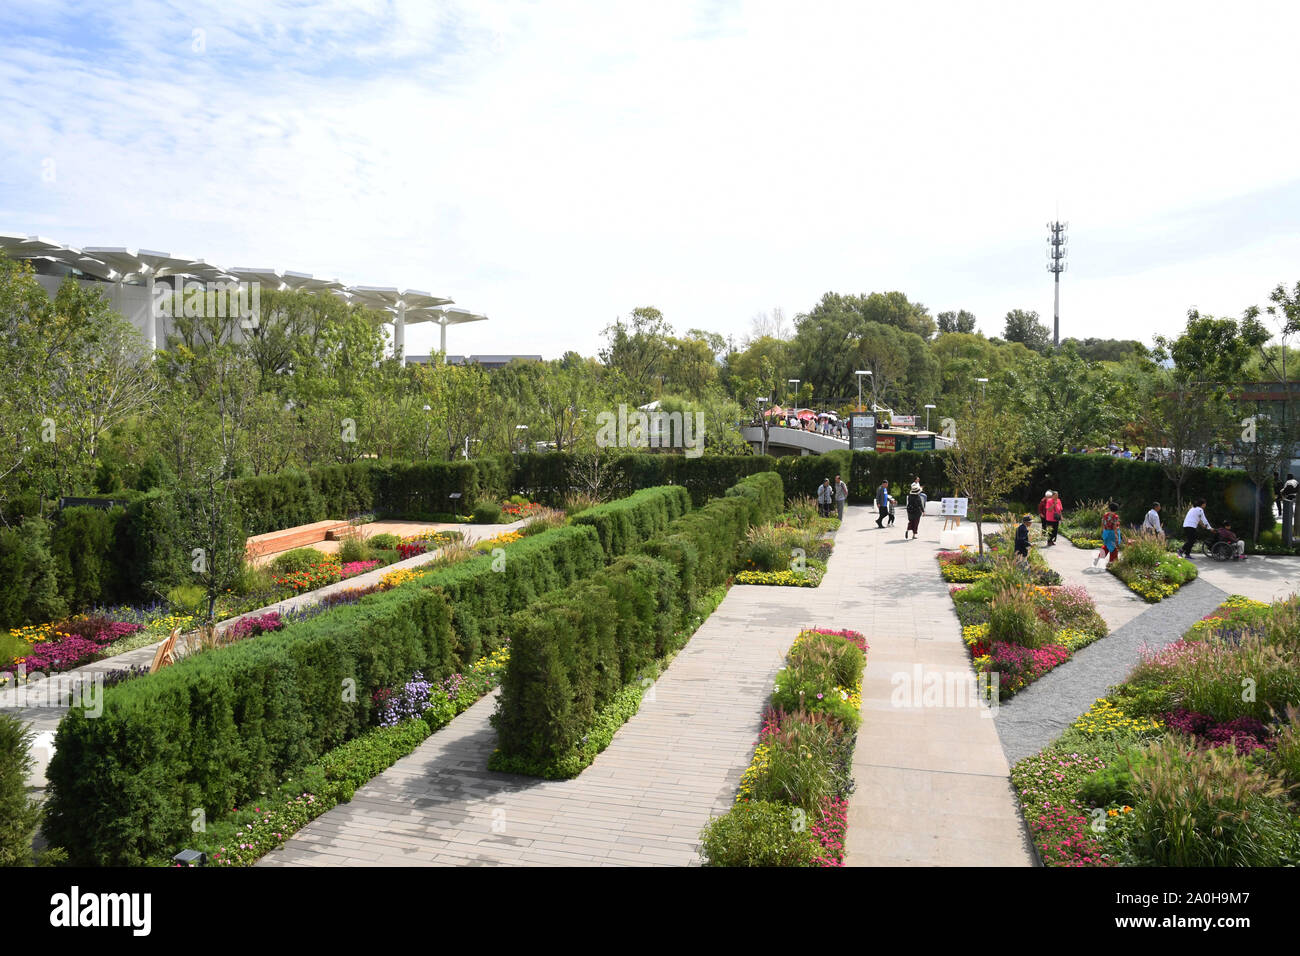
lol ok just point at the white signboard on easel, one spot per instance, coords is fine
(953, 507)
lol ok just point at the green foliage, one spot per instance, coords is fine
(29, 572)
(757, 833)
(487, 512)
(1208, 807)
(626, 524)
(383, 542)
(353, 548)
(807, 762)
(186, 599)
(299, 559)
(1013, 619)
(19, 815)
(765, 490)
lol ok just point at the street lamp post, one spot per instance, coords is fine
(927, 415)
(859, 374)
(523, 439)
(795, 383)
(762, 421)
(983, 382)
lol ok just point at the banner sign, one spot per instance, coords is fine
(903, 421)
(886, 443)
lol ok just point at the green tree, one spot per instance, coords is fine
(985, 463)
(961, 321)
(1024, 327)
(637, 350)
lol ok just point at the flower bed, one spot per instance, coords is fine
(1177, 766)
(1014, 628)
(792, 805)
(810, 577)
(1152, 574)
(62, 646)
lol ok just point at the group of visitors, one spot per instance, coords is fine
(829, 496)
(1284, 491)
(915, 507)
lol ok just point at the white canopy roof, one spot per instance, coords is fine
(119, 264)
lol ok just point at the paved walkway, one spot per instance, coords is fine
(932, 785)
(37, 700)
(642, 802)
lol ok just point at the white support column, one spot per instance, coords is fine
(151, 318)
(399, 333)
(442, 340)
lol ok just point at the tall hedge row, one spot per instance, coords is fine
(629, 521)
(574, 653)
(1134, 485)
(550, 477)
(219, 728)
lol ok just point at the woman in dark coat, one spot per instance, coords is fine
(915, 508)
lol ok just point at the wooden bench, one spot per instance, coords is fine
(275, 541)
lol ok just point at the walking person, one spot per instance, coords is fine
(1050, 509)
(1151, 523)
(882, 503)
(892, 503)
(915, 508)
(1022, 537)
(1192, 523)
(841, 495)
(824, 492)
(1110, 537)
(1277, 493)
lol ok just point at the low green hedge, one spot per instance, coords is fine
(629, 522)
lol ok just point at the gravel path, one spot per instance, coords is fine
(1038, 714)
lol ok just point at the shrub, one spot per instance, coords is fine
(806, 762)
(487, 512)
(27, 567)
(19, 815)
(83, 548)
(765, 549)
(757, 833)
(1207, 808)
(299, 560)
(383, 542)
(352, 550)
(1013, 619)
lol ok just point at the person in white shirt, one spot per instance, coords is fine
(1151, 524)
(1194, 521)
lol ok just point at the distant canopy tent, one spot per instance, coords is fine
(806, 414)
(828, 416)
(776, 411)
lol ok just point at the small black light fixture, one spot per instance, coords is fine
(190, 858)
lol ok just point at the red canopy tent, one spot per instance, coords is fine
(775, 410)
(805, 414)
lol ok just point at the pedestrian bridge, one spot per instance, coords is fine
(784, 441)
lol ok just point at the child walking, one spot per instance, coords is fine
(1110, 538)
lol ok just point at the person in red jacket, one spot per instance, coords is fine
(1050, 509)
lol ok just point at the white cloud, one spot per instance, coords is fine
(558, 164)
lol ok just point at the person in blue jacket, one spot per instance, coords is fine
(882, 503)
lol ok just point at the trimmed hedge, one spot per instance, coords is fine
(624, 524)
(83, 545)
(219, 728)
(549, 477)
(1133, 485)
(578, 657)
(765, 490)
(803, 474)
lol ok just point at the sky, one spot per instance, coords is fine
(555, 165)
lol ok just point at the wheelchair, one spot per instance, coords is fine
(1212, 547)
